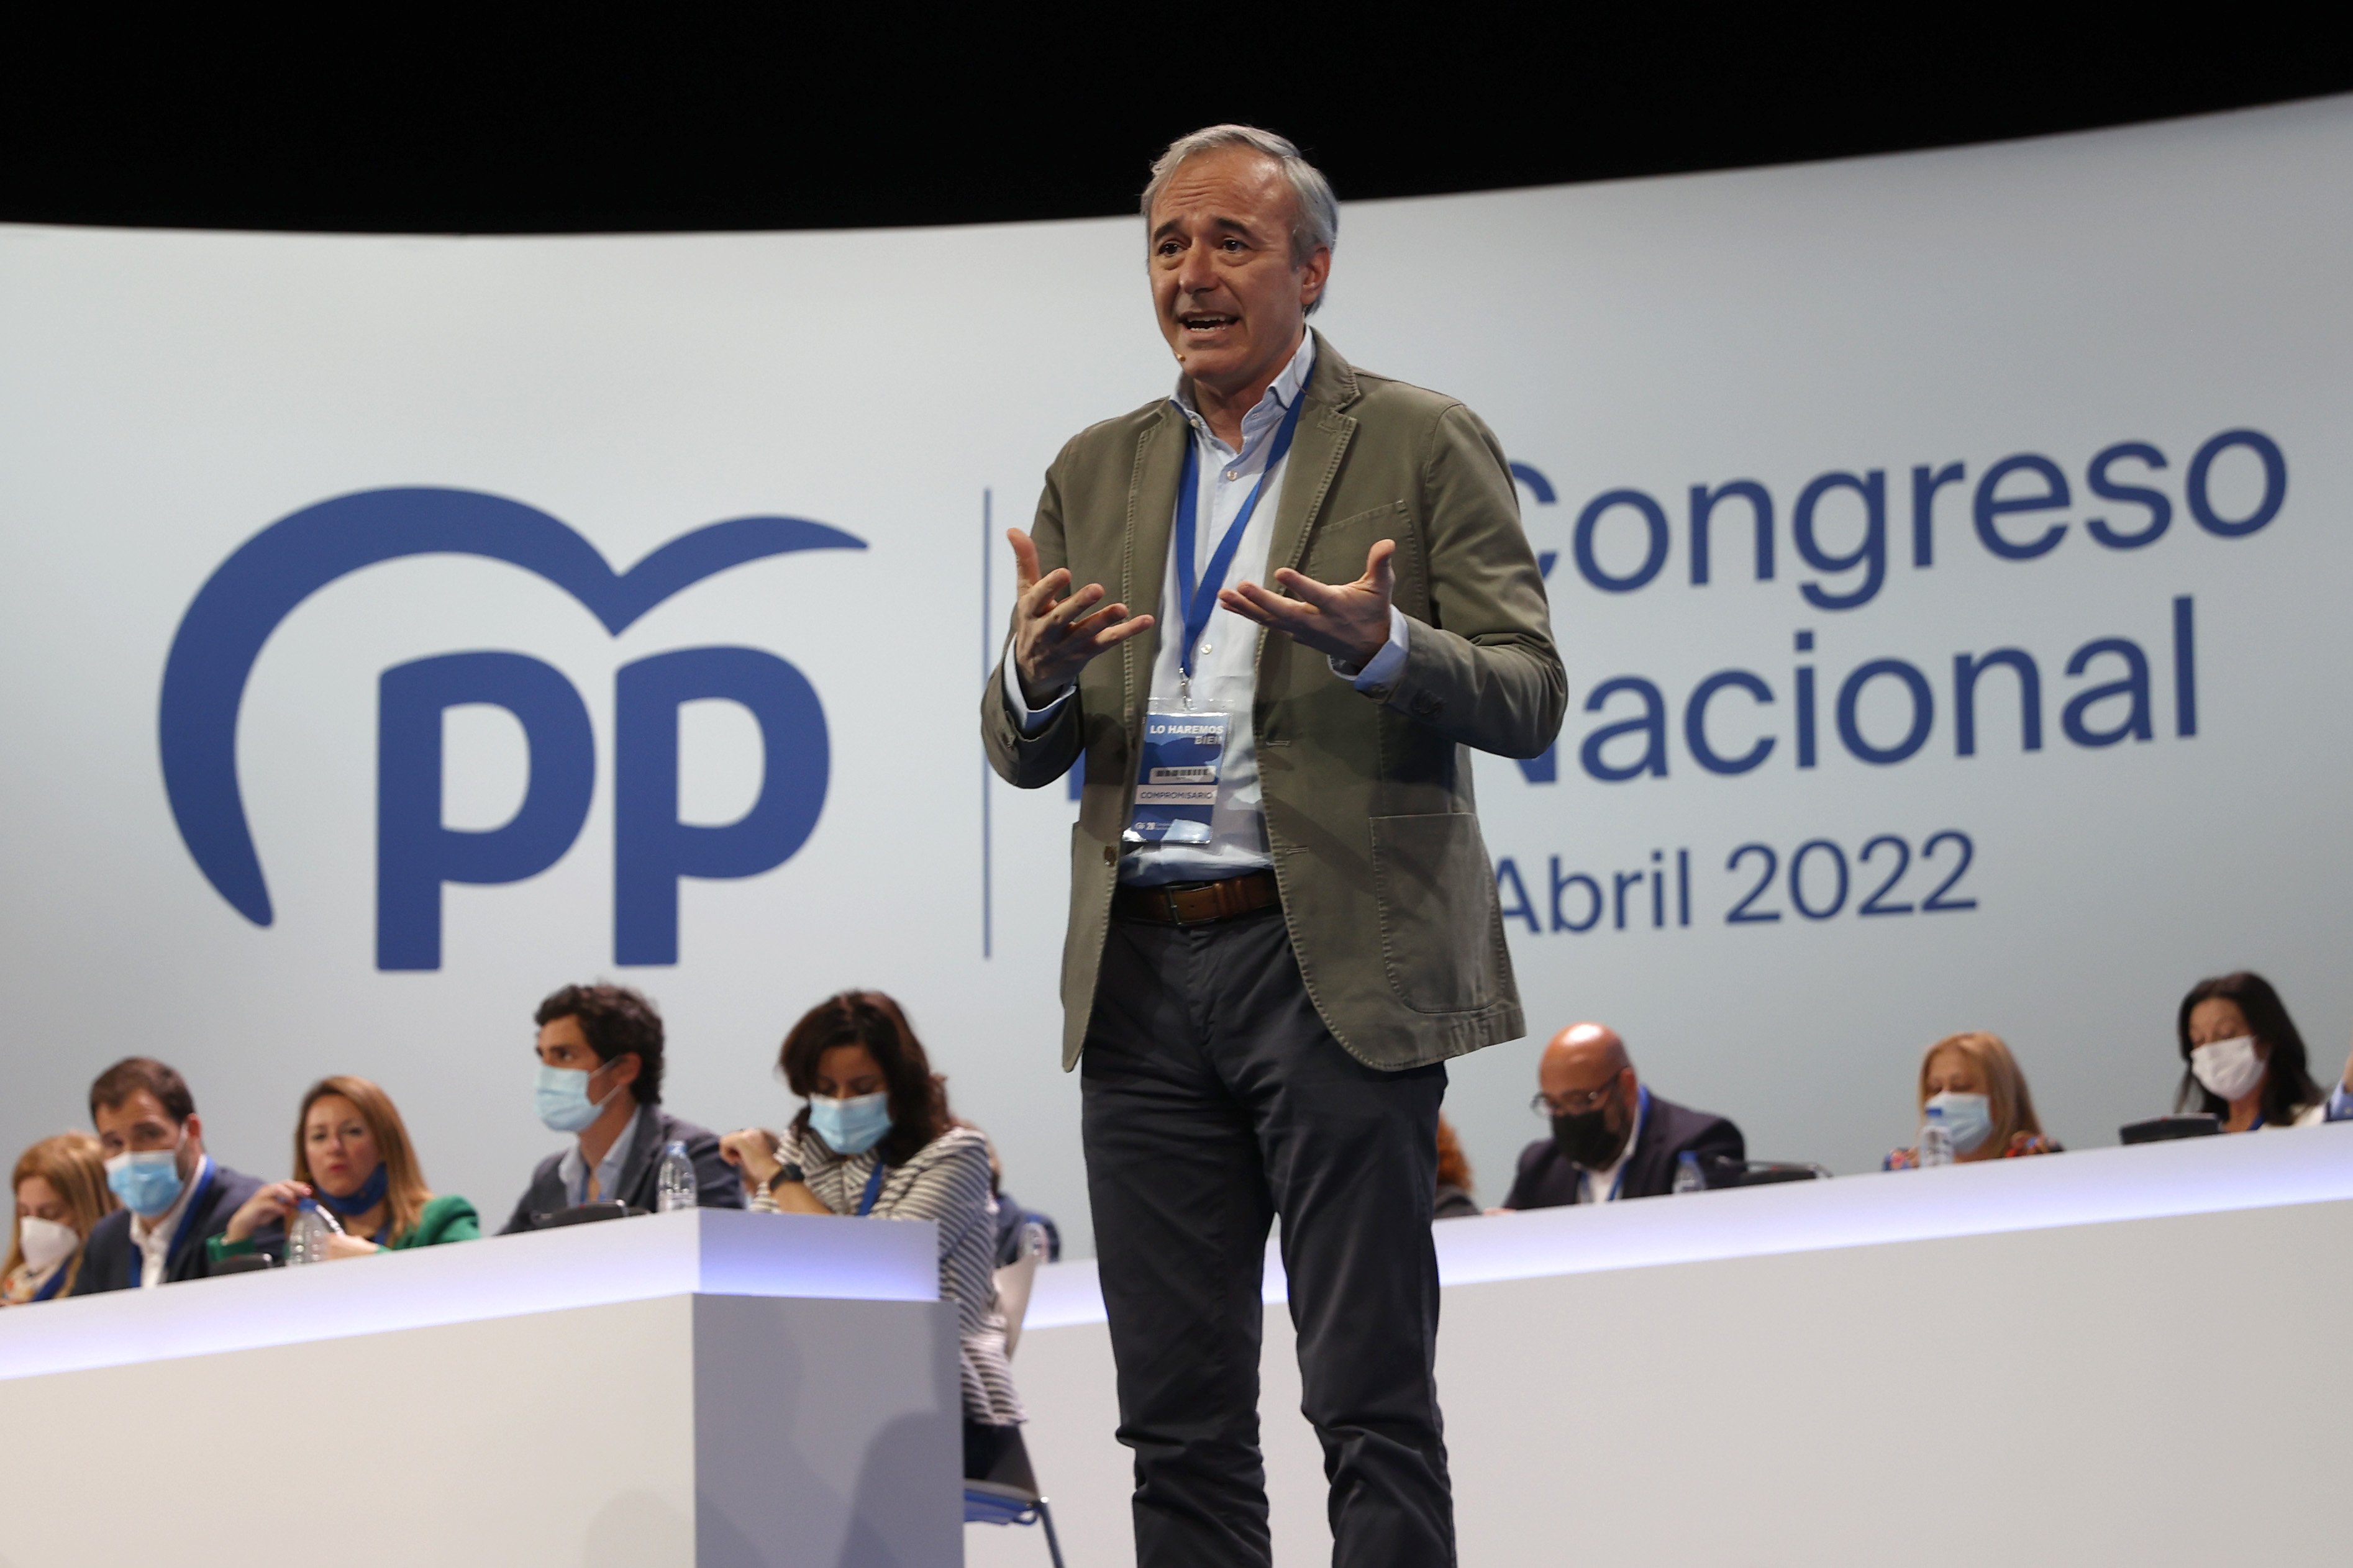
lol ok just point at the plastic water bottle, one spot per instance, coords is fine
(1936, 1140)
(1687, 1174)
(674, 1183)
(307, 1233)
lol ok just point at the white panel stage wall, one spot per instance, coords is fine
(2063, 416)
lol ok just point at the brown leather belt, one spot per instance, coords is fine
(1199, 903)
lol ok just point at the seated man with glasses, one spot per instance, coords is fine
(1611, 1138)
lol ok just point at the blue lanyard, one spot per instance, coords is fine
(58, 1280)
(873, 1187)
(1199, 598)
(179, 1237)
(1633, 1136)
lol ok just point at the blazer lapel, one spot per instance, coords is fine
(645, 1143)
(1325, 432)
(1646, 1166)
(1144, 567)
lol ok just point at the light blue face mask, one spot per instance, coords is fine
(1968, 1117)
(850, 1126)
(562, 1098)
(148, 1180)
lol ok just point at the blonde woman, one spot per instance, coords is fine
(352, 1154)
(61, 1193)
(1975, 1080)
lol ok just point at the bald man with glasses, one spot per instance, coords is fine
(1611, 1137)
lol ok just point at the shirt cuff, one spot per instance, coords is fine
(1381, 670)
(2340, 1104)
(1033, 721)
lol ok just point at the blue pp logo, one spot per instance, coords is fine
(258, 585)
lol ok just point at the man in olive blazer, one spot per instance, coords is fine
(1387, 887)
(1261, 1012)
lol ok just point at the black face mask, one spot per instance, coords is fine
(1586, 1139)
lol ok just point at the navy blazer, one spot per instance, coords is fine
(1547, 1180)
(110, 1255)
(717, 1183)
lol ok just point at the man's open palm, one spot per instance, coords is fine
(1054, 635)
(1346, 621)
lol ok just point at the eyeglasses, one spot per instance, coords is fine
(1576, 1102)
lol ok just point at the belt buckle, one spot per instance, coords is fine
(1172, 896)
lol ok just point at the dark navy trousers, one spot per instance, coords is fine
(1214, 1100)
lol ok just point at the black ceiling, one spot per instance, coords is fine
(802, 123)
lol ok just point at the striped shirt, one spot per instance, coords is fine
(945, 1183)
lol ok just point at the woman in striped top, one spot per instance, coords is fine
(875, 1140)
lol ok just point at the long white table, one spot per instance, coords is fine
(2012, 1362)
(2120, 1355)
(713, 1388)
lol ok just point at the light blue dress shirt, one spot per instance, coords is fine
(1226, 661)
(574, 1169)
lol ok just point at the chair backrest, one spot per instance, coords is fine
(1767, 1172)
(1013, 1282)
(583, 1214)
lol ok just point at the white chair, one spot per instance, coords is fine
(1014, 1280)
(1007, 1502)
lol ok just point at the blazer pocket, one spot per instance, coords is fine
(1437, 899)
(1335, 553)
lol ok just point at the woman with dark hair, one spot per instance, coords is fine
(875, 1141)
(352, 1157)
(2243, 1059)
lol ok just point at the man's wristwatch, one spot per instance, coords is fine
(788, 1171)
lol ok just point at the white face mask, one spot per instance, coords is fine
(1968, 1117)
(2229, 1068)
(44, 1243)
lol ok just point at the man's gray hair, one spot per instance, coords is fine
(1316, 225)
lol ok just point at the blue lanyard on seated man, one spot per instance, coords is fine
(1183, 764)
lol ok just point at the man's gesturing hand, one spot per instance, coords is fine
(1349, 621)
(1053, 637)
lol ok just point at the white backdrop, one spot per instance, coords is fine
(164, 397)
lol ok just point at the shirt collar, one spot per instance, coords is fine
(574, 1169)
(609, 1169)
(1281, 393)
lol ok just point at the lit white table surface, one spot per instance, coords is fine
(2059, 1360)
(712, 1388)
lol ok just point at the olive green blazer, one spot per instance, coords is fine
(1386, 884)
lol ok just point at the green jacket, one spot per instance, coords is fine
(1386, 884)
(445, 1218)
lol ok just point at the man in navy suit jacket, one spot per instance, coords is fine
(1611, 1138)
(608, 1041)
(175, 1196)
